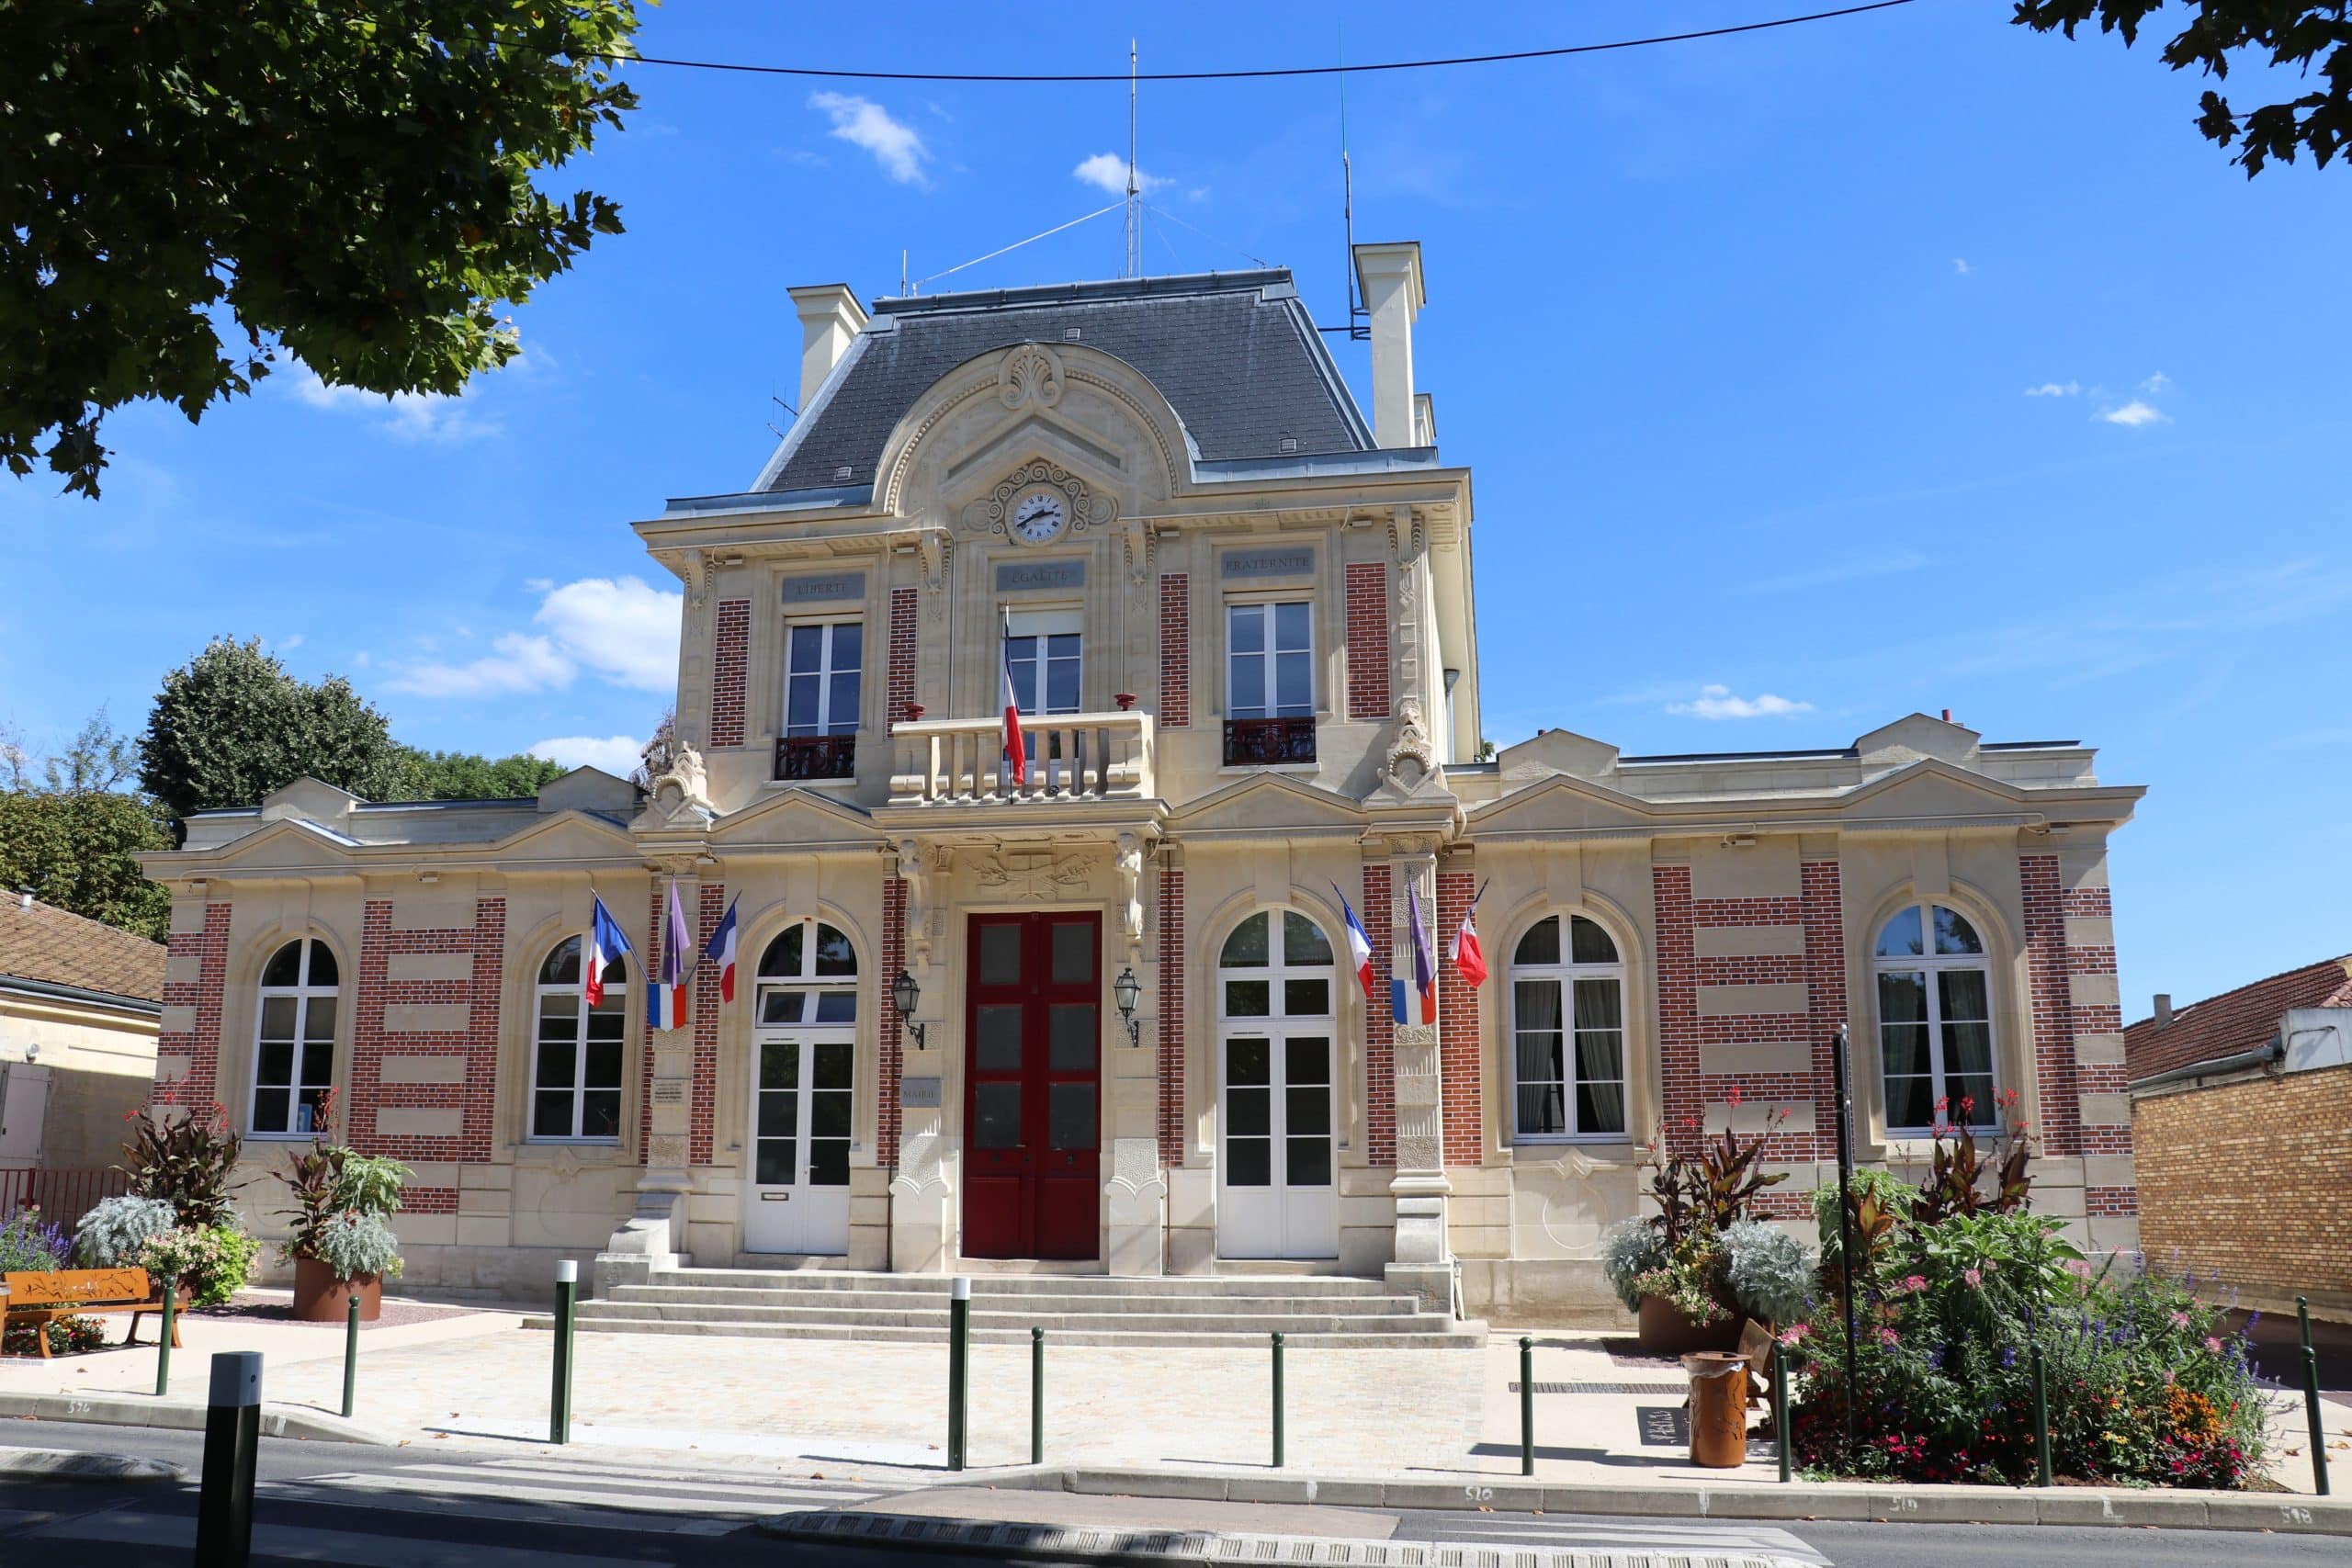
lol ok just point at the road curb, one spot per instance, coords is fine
(1099, 1544)
(76, 1464)
(2287, 1513)
(131, 1410)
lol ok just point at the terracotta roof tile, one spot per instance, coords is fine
(43, 942)
(2235, 1020)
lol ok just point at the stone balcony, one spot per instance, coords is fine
(1074, 758)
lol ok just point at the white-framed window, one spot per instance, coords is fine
(1274, 984)
(806, 1043)
(808, 975)
(1042, 649)
(1567, 1021)
(1935, 1021)
(824, 662)
(294, 1039)
(1270, 660)
(576, 1052)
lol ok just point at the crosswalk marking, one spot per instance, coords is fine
(1632, 1536)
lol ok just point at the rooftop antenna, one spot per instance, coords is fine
(1134, 215)
(1359, 327)
(902, 272)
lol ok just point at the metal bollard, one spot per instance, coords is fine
(224, 1507)
(2040, 1420)
(567, 1303)
(2311, 1399)
(1278, 1399)
(1783, 1439)
(164, 1345)
(1036, 1396)
(1526, 1405)
(959, 1366)
(351, 1355)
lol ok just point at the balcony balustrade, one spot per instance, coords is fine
(801, 759)
(1267, 742)
(1072, 756)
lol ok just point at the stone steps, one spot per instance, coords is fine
(1018, 1284)
(788, 1317)
(1442, 1334)
(1031, 1307)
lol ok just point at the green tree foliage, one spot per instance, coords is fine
(2304, 36)
(67, 834)
(350, 184)
(461, 775)
(231, 726)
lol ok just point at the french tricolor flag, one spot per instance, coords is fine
(1359, 944)
(605, 943)
(665, 1000)
(721, 952)
(1016, 751)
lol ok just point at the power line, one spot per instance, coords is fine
(813, 70)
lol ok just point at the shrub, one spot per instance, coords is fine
(31, 1244)
(111, 1234)
(184, 1160)
(1629, 1249)
(1702, 1195)
(212, 1261)
(354, 1245)
(67, 1336)
(1769, 1271)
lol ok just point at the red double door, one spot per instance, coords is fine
(1032, 1086)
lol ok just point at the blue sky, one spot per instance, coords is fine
(1903, 362)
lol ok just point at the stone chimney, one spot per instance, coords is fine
(2164, 1009)
(830, 318)
(1390, 277)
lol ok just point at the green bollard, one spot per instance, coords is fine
(567, 1300)
(959, 1336)
(2311, 1399)
(1526, 1405)
(351, 1356)
(163, 1345)
(2041, 1421)
(1278, 1399)
(1783, 1438)
(1036, 1396)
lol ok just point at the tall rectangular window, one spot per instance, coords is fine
(822, 664)
(1269, 662)
(1042, 651)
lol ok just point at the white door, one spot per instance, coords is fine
(804, 1074)
(1277, 1061)
(24, 1107)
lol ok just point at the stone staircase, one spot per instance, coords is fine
(1200, 1311)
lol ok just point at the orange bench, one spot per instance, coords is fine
(44, 1299)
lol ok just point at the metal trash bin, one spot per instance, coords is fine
(1718, 1408)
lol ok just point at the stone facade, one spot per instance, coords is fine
(1740, 897)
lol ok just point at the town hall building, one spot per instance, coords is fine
(1102, 1018)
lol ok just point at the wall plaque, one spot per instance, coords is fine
(1019, 576)
(824, 587)
(670, 1091)
(919, 1094)
(1289, 561)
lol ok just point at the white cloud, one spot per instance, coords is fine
(1107, 172)
(2159, 383)
(2135, 414)
(2055, 390)
(291, 642)
(1717, 702)
(862, 122)
(1959, 266)
(412, 416)
(620, 629)
(617, 754)
(1840, 571)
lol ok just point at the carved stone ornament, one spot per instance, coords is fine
(1089, 507)
(1411, 758)
(933, 545)
(1129, 860)
(684, 792)
(1030, 375)
(1036, 874)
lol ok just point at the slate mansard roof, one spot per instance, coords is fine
(1236, 354)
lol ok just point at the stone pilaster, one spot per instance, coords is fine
(1423, 1263)
(650, 1238)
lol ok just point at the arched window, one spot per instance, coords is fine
(805, 1085)
(1935, 1021)
(1275, 970)
(1567, 1004)
(294, 1039)
(1274, 979)
(808, 975)
(576, 1065)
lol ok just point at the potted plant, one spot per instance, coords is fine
(1702, 1265)
(340, 1244)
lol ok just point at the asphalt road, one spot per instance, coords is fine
(428, 1507)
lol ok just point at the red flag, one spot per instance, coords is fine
(1016, 753)
(1469, 958)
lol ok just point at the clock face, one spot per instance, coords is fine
(1039, 515)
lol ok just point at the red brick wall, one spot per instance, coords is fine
(728, 670)
(900, 688)
(2093, 902)
(2053, 1005)
(642, 976)
(1459, 1060)
(1367, 639)
(1172, 1017)
(1175, 650)
(1684, 1098)
(703, 1017)
(476, 1098)
(1380, 1040)
(200, 1087)
(894, 958)
(1824, 968)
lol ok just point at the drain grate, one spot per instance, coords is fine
(1607, 1388)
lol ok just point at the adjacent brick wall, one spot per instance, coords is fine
(1459, 1060)
(2243, 1183)
(1175, 650)
(1172, 1017)
(198, 1087)
(702, 1014)
(900, 690)
(475, 1096)
(1380, 1040)
(894, 958)
(2053, 1005)
(729, 668)
(1368, 640)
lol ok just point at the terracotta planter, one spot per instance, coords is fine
(320, 1297)
(1667, 1330)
